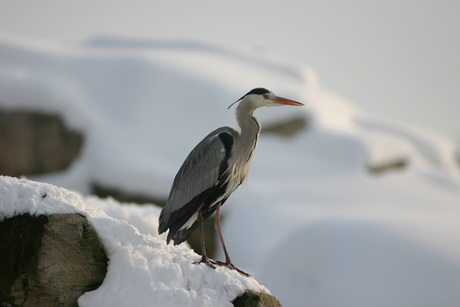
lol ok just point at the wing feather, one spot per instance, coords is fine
(199, 172)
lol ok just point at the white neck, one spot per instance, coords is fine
(250, 126)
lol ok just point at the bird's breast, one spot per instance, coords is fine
(239, 167)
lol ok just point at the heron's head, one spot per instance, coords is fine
(261, 97)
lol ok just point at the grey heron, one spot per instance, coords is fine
(212, 171)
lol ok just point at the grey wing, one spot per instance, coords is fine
(199, 172)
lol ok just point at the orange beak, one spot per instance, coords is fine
(286, 101)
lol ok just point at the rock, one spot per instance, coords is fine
(49, 260)
(386, 166)
(35, 143)
(287, 128)
(256, 299)
(123, 196)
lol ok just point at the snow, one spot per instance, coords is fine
(312, 224)
(143, 270)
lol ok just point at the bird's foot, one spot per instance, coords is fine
(209, 262)
(231, 266)
(212, 264)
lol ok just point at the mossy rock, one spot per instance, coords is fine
(49, 260)
(256, 299)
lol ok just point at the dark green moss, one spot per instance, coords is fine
(256, 299)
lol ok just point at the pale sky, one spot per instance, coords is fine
(396, 59)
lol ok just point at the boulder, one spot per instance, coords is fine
(36, 143)
(256, 299)
(49, 260)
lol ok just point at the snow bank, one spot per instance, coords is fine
(134, 103)
(313, 224)
(143, 270)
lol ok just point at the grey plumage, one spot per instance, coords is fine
(213, 170)
(201, 175)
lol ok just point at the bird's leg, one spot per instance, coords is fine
(204, 257)
(219, 233)
(228, 263)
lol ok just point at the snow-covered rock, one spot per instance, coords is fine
(142, 270)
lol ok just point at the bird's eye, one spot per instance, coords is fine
(266, 96)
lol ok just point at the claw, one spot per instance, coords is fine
(231, 266)
(209, 262)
